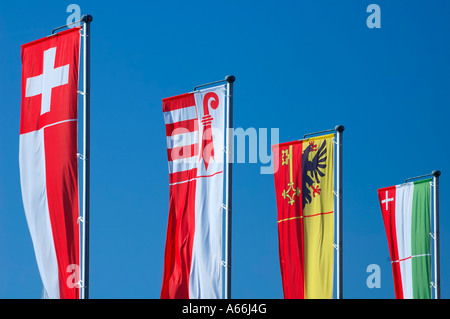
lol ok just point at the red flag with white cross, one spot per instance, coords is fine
(48, 158)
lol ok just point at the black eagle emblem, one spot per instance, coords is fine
(314, 167)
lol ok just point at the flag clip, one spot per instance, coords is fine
(80, 218)
(336, 142)
(223, 206)
(224, 263)
(81, 156)
(81, 92)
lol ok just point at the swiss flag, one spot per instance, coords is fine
(48, 158)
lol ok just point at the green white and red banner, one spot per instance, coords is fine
(406, 214)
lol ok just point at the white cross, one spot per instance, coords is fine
(387, 200)
(50, 78)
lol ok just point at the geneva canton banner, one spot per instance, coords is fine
(195, 151)
(48, 157)
(304, 183)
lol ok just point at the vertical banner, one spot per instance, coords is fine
(304, 184)
(48, 158)
(406, 216)
(195, 151)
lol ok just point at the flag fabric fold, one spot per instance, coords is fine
(48, 158)
(406, 215)
(195, 144)
(304, 183)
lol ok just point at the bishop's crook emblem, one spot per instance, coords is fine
(211, 99)
(290, 192)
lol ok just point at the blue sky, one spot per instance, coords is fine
(300, 66)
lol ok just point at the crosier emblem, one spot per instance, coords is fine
(211, 99)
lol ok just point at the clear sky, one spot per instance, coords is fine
(300, 67)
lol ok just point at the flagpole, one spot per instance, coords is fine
(86, 19)
(228, 184)
(437, 266)
(339, 247)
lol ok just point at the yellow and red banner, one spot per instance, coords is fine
(304, 184)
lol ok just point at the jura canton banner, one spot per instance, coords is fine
(48, 157)
(195, 151)
(304, 183)
(406, 216)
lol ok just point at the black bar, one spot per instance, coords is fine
(215, 82)
(421, 176)
(338, 128)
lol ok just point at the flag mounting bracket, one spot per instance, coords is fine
(79, 284)
(433, 173)
(433, 285)
(228, 78)
(85, 18)
(337, 128)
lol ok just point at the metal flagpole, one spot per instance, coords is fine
(339, 243)
(85, 157)
(437, 266)
(228, 184)
(86, 19)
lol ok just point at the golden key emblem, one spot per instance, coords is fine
(291, 191)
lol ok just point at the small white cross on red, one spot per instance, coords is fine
(387, 200)
(50, 78)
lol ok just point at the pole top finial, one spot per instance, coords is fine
(230, 78)
(436, 173)
(87, 18)
(339, 128)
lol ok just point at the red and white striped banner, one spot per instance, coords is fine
(48, 158)
(195, 151)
